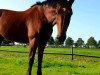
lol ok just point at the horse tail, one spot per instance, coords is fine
(1, 13)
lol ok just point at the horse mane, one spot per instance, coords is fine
(39, 3)
(51, 2)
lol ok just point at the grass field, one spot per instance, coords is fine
(14, 61)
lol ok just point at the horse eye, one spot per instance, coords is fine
(64, 9)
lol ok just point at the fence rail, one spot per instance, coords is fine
(71, 54)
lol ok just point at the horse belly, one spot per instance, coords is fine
(18, 34)
(18, 37)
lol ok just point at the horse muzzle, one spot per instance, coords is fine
(61, 39)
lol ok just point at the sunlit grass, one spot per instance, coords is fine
(14, 61)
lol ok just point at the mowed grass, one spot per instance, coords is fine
(14, 61)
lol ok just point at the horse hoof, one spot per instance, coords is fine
(28, 74)
(39, 73)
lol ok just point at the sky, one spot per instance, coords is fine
(85, 21)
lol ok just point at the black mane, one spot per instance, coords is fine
(51, 2)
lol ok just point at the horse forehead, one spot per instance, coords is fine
(63, 8)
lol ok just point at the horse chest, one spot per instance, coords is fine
(45, 32)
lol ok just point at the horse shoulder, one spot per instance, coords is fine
(33, 21)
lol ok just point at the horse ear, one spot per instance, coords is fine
(70, 2)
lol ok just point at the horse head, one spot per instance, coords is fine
(63, 20)
(58, 12)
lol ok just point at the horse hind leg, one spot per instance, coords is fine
(1, 39)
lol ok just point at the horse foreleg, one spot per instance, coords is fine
(40, 57)
(32, 46)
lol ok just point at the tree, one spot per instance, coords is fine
(56, 43)
(98, 44)
(6, 42)
(75, 44)
(80, 42)
(51, 41)
(69, 42)
(91, 42)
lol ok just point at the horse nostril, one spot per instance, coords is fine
(57, 37)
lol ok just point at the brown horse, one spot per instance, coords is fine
(35, 25)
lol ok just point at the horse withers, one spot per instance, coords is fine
(35, 25)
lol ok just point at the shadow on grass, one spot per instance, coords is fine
(52, 53)
(74, 54)
(12, 51)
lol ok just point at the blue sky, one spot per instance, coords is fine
(85, 21)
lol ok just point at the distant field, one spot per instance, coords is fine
(57, 61)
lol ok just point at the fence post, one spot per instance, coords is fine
(72, 53)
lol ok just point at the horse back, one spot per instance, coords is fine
(19, 25)
(13, 25)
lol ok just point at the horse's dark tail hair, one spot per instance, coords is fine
(0, 13)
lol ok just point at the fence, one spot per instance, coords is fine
(72, 54)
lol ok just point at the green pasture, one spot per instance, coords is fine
(57, 61)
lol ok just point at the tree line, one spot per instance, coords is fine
(69, 42)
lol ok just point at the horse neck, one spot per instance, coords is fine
(37, 10)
